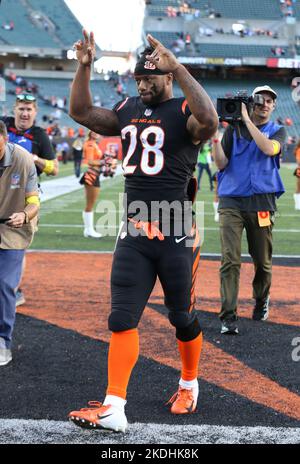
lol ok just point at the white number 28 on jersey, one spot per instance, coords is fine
(150, 151)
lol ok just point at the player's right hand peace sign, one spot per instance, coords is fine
(162, 57)
(85, 49)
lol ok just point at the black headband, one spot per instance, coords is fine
(145, 67)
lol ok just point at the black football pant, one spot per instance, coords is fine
(137, 263)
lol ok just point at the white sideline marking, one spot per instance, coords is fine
(56, 187)
(55, 210)
(42, 431)
(294, 231)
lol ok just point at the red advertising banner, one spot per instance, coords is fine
(272, 62)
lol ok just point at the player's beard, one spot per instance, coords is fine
(157, 96)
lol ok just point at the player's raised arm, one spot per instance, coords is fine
(203, 122)
(100, 120)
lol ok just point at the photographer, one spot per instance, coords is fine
(248, 185)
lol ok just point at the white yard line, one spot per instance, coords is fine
(19, 431)
(56, 187)
(294, 231)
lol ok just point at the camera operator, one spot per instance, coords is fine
(248, 185)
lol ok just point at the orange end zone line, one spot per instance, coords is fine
(78, 285)
(216, 366)
(223, 370)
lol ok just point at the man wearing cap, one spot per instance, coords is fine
(248, 185)
(160, 142)
(22, 131)
(19, 205)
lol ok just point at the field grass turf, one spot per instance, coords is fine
(61, 221)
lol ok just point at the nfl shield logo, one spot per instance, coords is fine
(148, 112)
(15, 181)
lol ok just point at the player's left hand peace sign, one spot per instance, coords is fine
(161, 56)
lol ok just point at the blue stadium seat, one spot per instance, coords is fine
(68, 29)
(25, 32)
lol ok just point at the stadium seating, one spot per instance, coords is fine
(68, 29)
(286, 107)
(25, 33)
(167, 38)
(219, 49)
(236, 50)
(256, 9)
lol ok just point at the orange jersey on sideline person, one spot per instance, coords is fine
(297, 155)
(91, 152)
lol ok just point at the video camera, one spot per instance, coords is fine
(229, 109)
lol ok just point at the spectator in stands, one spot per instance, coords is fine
(188, 39)
(297, 174)
(247, 199)
(19, 205)
(55, 130)
(64, 131)
(71, 132)
(22, 131)
(8, 26)
(92, 156)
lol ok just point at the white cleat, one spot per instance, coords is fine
(101, 417)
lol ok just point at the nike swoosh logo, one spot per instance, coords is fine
(178, 240)
(104, 417)
(190, 409)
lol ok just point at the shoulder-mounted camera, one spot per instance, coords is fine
(229, 109)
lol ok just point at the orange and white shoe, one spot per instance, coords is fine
(98, 416)
(184, 401)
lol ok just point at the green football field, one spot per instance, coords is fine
(61, 221)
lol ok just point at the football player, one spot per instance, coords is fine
(160, 142)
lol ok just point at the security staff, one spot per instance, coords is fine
(22, 131)
(19, 205)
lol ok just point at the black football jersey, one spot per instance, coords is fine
(158, 155)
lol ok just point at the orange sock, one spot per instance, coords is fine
(122, 356)
(190, 356)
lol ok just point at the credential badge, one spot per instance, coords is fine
(15, 181)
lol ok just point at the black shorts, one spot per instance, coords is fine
(137, 263)
(91, 178)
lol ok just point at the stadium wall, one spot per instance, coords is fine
(44, 73)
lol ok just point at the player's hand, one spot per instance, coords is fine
(245, 114)
(16, 220)
(161, 56)
(85, 49)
